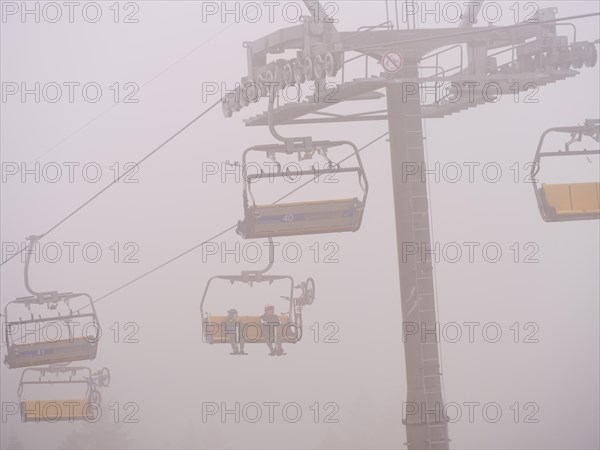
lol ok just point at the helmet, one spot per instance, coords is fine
(269, 306)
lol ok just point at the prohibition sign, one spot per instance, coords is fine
(392, 61)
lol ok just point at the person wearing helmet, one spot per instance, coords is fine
(233, 333)
(270, 324)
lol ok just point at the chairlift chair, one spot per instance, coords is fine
(72, 314)
(300, 218)
(213, 326)
(568, 201)
(82, 407)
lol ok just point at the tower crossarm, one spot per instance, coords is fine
(528, 51)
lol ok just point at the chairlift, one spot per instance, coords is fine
(49, 327)
(568, 201)
(84, 406)
(214, 328)
(300, 218)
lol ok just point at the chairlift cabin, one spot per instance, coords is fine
(40, 404)
(50, 327)
(57, 328)
(300, 218)
(568, 201)
(214, 329)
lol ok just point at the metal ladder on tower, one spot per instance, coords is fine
(428, 329)
(422, 310)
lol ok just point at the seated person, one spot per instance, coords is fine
(270, 324)
(233, 333)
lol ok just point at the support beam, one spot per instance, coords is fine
(426, 426)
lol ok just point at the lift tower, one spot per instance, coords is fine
(501, 60)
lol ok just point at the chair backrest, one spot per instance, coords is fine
(52, 352)
(251, 329)
(292, 219)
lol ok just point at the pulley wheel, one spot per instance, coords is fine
(591, 55)
(308, 291)
(299, 76)
(319, 67)
(309, 69)
(331, 65)
(287, 75)
(104, 378)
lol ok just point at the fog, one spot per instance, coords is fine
(517, 298)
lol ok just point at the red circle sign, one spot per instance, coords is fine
(392, 61)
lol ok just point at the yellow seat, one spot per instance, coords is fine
(59, 342)
(575, 199)
(584, 197)
(253, 331)
(558, 196)
(251, 328)
(215, 336)
(52, 410)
